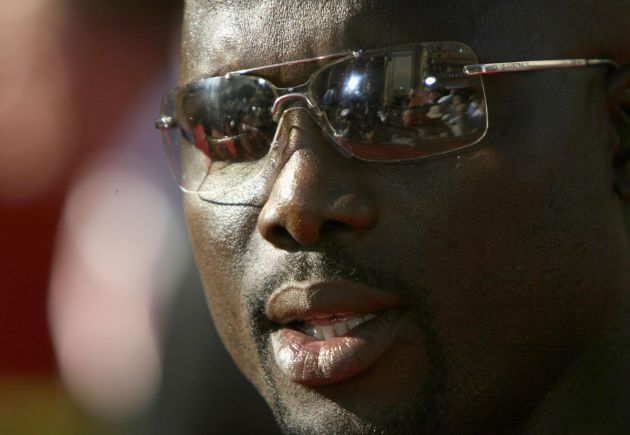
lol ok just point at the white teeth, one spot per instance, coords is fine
(341, 328)
(354, 322)
(338, 329)
(328, 331)
(317, 333)
(313, 332)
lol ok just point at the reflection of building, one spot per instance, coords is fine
(424, 67)
(446, 63)
(402, 73)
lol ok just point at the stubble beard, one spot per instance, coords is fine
(420, 415)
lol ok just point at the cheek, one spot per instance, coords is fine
(220, 236)
(517, 219)
(507, 247)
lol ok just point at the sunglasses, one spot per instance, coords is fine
(407, 102)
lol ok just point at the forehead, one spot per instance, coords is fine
(223, 36)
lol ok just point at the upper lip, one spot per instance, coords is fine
(302, 301)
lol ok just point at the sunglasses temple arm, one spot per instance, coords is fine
(533, 65)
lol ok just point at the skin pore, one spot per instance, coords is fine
(510, 261)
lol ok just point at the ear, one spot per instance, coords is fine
(619, 98)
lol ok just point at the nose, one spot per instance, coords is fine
(318, 193)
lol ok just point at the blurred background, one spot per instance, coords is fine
(103, 326)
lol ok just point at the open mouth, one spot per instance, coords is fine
(331, 332)
(328, 326)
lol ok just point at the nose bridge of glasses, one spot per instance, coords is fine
(294, 115)
(288, 97)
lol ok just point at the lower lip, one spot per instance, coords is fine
(308, 361)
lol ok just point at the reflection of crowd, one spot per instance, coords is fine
(238, 128)
(414, 119)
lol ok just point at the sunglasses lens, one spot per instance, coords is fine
(224, 132)
(399, 103)
(405, 102)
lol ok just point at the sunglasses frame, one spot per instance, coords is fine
(303, 91)
(469, 70)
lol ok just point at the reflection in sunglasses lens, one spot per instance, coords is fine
(405, 102)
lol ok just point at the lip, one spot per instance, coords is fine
(309, 361)
(298, 302)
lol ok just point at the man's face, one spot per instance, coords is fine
(486, 270)
(407, 118)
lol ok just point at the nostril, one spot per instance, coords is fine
(332, 227)
(281, 237)
(279, 232)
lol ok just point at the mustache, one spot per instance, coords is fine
(331, 264)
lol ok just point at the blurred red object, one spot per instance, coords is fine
(71, 69)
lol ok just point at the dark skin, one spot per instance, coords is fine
(511, 259)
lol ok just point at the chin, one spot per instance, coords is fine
(400, 393)
(326, 416)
